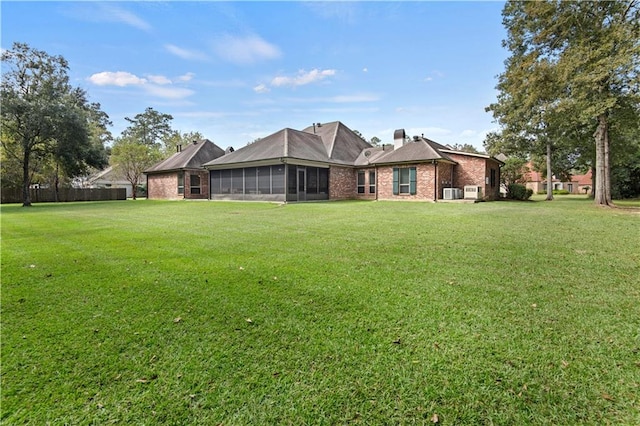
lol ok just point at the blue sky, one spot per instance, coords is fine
(237, 71)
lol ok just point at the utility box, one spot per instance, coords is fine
(472, 192)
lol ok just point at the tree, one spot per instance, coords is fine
(513, 171)
(176, 138)
(591, 55)
(375, 141)
(130, 159)
(151, 128)
(44, 118)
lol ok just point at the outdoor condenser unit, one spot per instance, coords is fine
(472, 192)
(451, 193)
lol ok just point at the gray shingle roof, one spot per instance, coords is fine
(418, 150)
(192, 156)
(331, 143)
(341, 143)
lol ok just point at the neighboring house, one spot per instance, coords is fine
(182, 175)
(109, 178)
(584, 182)
(331, 162)
(538, 182)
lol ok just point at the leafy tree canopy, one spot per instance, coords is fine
(45, 120)
(150, 128)
(573, 74)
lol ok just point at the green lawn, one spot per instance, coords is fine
(143, 312)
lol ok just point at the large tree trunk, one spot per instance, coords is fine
(56, 185)
(26, 180)
(602, 188)
(549, 175)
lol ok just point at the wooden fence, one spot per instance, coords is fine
(14, 195)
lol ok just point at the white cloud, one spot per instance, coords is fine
(185, 53)
(113, 13)
(261, 88)
(245, 50)
(365, 69)
(468, 133)
(168, 92)
(155, 85)
(159, 79)
(186, 77)
(120, 78)
(303, 78)
(342, 11)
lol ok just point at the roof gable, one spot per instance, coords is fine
(192, 156)
(418, 150)
(327, 143)
(341, 143)
(286, 143)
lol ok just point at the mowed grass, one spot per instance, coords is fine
(320, 313)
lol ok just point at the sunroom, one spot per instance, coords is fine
(275, 182)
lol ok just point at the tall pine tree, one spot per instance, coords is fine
(576, 65)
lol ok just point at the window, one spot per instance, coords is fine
(180, 182)
(372, 182)
(361, 182)
(404, 180)
(493, 178)
(570, 187)
(194, 181)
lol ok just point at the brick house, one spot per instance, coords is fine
(536, 181)
(182, 175)
(331, 162)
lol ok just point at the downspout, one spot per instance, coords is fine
(452, 183)
(435, 181)
(377, 187)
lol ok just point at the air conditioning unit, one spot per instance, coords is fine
(472, 192)
(451, 193)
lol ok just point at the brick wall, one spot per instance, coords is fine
(204, 184)
(163, 186)
(445, 176)
(342, 183)
(425, 174)
(366, 195)
(475, 171)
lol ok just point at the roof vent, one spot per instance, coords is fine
(195, 142)
(229, 150)
(367, 153)
(416, 138)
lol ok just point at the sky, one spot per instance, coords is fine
(238, 71)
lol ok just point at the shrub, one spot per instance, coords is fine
(515, 191)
